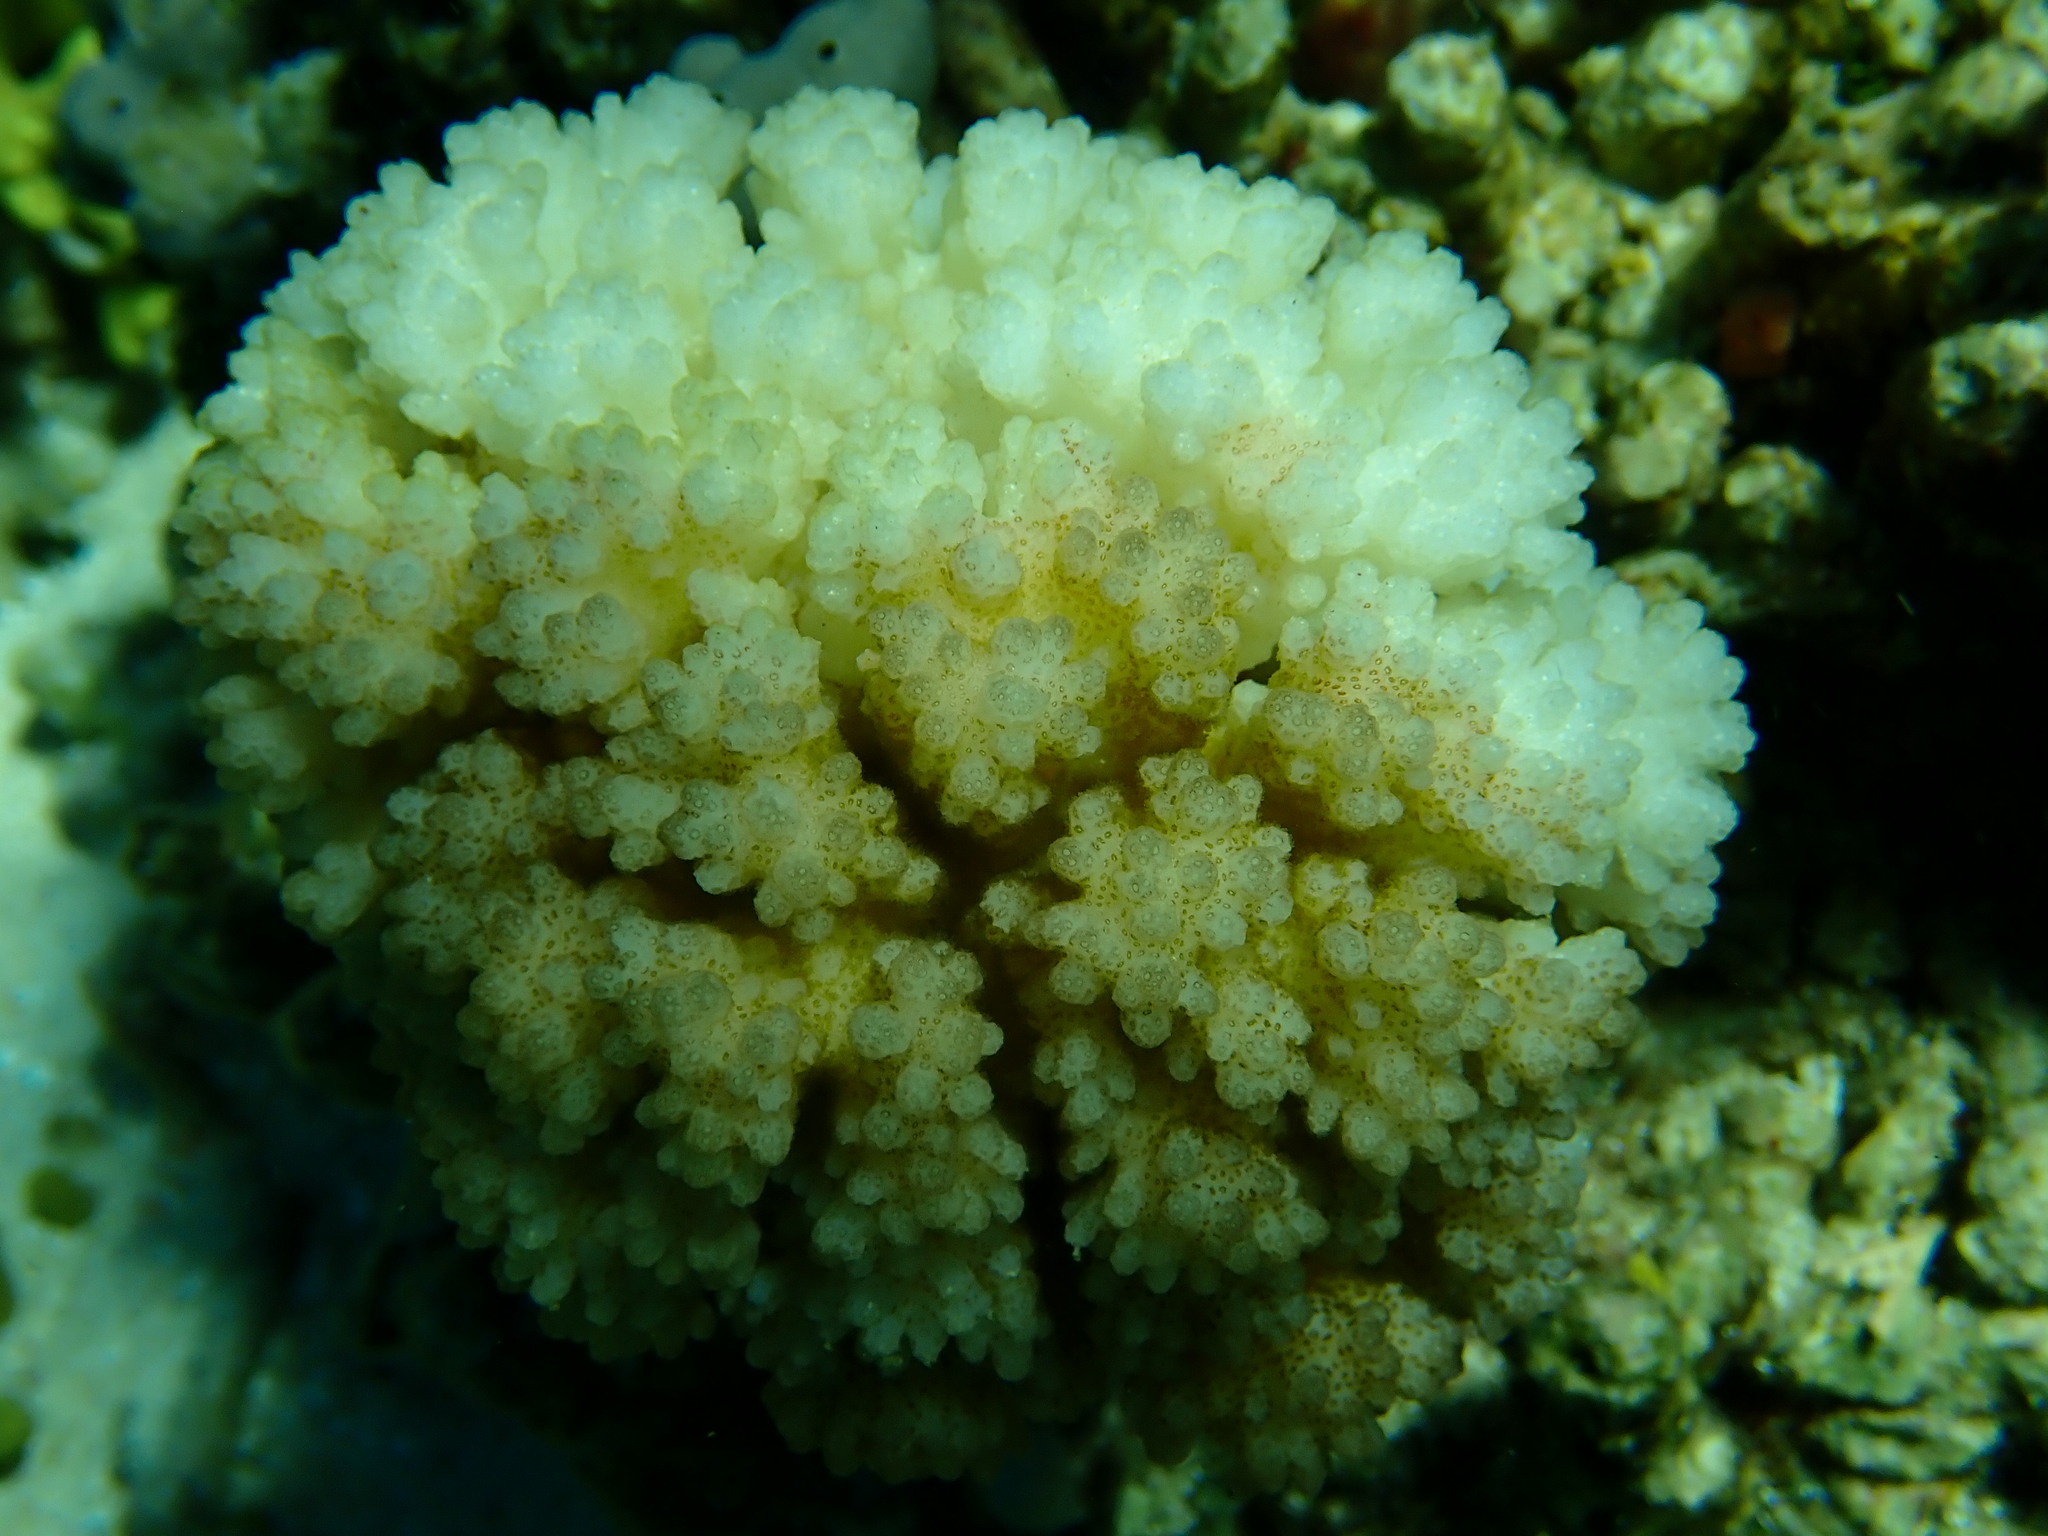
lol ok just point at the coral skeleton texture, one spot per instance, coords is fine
(1002, 773)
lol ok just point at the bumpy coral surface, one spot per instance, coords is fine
(1008, 777)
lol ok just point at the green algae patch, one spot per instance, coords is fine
(57, 1199)
(74, 1133)
(16, 1427)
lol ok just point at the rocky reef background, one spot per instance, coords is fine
(1789, 267)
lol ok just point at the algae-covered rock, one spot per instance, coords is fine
(1771, 1231)
(2008, 1245)
(1663, 112)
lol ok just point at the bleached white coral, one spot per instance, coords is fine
(1047, 623)
(109, 1331)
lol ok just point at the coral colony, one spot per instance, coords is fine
(1054, 676)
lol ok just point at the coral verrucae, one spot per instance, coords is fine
(1017, 782)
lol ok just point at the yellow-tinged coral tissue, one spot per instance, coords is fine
(1008, 781)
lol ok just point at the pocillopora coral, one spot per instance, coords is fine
(1017, 789)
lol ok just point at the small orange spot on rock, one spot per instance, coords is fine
(1343, 48)
(1757, 331)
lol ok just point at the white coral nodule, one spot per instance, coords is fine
(1053, 621)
